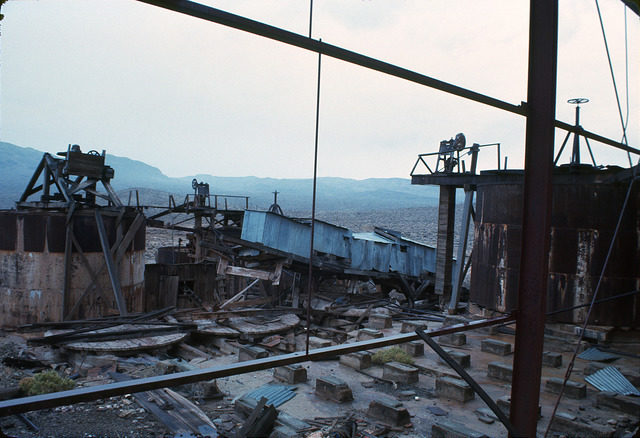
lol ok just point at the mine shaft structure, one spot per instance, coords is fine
(94, 231)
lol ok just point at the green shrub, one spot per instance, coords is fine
(393, 354)
(45, 382)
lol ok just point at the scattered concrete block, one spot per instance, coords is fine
(210, 390)
(399, 372)
(380, 322)
(454, 389)
(411, 326)
(500, 371)
(463, 359)
(551, 359)
(597, 334)
(454, 319)
(366, 333)
(496, 347)
(332, 388)
(454, 339)
(316, 342)
(451, 429)
(576, 428)
(251, 352)
(222, 345)
(389, 412)
(413, 348)
(360, 360)
(291, 374)
(406, 395)
(573, 389)
(622, 403)
(504, 403)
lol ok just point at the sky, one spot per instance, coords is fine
(193, 97)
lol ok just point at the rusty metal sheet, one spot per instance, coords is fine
(8, 236)
(34, 232)
(583, 222)
(56, 233)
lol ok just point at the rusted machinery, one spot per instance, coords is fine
(73, 253)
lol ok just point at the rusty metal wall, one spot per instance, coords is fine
(584, 217)
(32, 268)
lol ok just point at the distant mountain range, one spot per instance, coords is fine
(17, 165)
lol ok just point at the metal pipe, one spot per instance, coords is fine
(44, 401)
(534, 264)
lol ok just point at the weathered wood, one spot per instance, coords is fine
(237, 296)
(183, 417)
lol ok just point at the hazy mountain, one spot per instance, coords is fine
(17, 165)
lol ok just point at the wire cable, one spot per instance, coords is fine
(593, 300)
(613, 79)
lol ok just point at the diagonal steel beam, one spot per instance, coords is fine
(63, 398)
(284, 36)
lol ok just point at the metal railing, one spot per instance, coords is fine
(452, 161)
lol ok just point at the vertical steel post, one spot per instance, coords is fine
(444, 245)
(534, 265)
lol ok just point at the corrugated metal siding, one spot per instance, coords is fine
(276, 395)
(367, 251)
(610, 379)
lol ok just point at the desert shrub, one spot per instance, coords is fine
(393, 354)
(45, 382)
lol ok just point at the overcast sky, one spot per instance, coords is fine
(189, 96)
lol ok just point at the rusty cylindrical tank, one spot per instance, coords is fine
(586, 207)
(32, 267)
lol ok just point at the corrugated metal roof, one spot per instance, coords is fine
(372, 236)
(610, 379)
(275, 394)
(597, 355)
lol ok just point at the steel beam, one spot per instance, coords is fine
(63, 398)
(255, 27)
(534, 264)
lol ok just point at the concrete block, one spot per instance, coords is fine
(360, 360)
(598, 334)
(413, 348)
(316, 342)
(332, 388)
(406, 395)
(504, 403)
(411, 326)
(453, 320)
(571, 428)
(291, 374)
(389, 412)
(251, 352)
(496, 347)
(451, 429)
(500, 371)
(400, 373)
(454, 389)
(454, 339)
(551, 359)
(573, 389)
(463, 359)
(222, 345)
(366, 333)
(380, 322)
(622, 403)
(210, 390)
